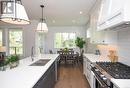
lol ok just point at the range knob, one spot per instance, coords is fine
(96, 69)
(104, 78)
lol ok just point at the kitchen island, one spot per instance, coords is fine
(26, 76)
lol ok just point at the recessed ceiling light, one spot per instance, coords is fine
(80, 12)
(53, 21)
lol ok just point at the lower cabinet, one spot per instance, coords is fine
(48, 79)
(115, 86)
(87, 71)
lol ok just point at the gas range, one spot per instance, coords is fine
(104, 71)
(117, 70)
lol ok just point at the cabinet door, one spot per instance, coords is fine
(115, 8)
(104, 9)
(42, 83)
(115, 86)
(52, 77)
(84, 67)
(48, 79)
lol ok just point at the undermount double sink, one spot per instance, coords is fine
(40, 62)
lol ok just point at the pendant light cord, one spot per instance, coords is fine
(42, 6)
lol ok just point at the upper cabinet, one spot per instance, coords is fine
(113, 13)
(95, 36)
(103, 13)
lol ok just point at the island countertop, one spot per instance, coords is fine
(25, 76)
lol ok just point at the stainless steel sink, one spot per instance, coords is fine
(40, 62)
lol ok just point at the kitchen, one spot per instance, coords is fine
(103, 25)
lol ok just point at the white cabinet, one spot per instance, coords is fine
(102, 36)
(113, 13)
(115, 6)
(104, 10)
(88, 33)
(119, 13)
(87, 71)
(85, 67)
(103, 14)
(96, 37)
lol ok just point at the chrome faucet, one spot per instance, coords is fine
(32, 53)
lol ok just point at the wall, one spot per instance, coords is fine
(124, 45)
(29, 34)
(50, 36)
(119, 38)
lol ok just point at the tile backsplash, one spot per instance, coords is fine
(124, 45)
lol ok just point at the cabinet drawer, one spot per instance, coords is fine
(48, 79)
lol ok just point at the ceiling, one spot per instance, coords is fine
(60, 12)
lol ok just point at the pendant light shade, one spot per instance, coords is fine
(14, 13)
(42, 26)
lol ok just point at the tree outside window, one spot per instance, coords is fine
(63, 40)
(16, 42)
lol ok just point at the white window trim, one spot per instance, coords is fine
(16, 29)
(2, 36)
(64, 47)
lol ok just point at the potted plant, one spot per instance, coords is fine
(66, 50)
(4, 64)
(80, 42)
(13, 61)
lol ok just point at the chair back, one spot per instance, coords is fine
(50, 51)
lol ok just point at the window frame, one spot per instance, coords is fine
(2, 37)
(15, 29)
(64, 47)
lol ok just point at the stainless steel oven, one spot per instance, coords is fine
(100, 80)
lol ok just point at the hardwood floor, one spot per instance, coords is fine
(71, 77)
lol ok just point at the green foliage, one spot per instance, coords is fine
(13, 58)
(80, 42)
(9, 59)
(4, 62)
(66, 50)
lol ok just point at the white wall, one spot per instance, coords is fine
(29, 35)
(124, 45)
(50, 36)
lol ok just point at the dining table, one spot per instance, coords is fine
(67, 56)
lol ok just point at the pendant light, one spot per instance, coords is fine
(13, 12)
(42, 26)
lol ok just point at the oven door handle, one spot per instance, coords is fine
(100, 82)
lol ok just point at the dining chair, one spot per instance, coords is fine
(61, 56)
(50, 51)
(70, 57)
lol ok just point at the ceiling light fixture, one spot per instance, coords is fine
(12, 11)
(80, 12)
(42, 26)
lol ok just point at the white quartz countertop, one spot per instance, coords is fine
(96, 58)
(120, 83)
(25, 76)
